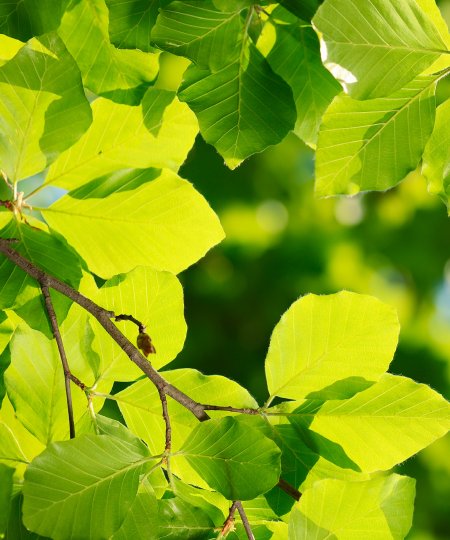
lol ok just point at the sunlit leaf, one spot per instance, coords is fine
(159, 133)
(374, 144)
(17, 445)
(380, 509)
(322, 340)
(35, 384)
(165, 224)
(74, 482)
(436, 158)
(154, 298)
(382, 45)
(42, 105)
(383, 425)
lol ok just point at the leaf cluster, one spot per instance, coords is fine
(85, 109)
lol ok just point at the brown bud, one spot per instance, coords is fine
(144, 343)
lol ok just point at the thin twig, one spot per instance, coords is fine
(289, 489)
(104, 316)
(62, 353)
(165, 412)
(245, 521)
(228, 524)
(132, 319)
(231, 409)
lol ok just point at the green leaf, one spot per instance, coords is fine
(25, 19)
(164, 224)
(380, 509)
(120, 75)
(9, 47)
(130, 23)
(304, 9)
(140, 405)
(154, 298)
(42, 105)
(174, 518)
(197, 30)
(17, 446)
(159, 133)
(381, 45)
(233, 458)
(383, 425)
(374, 144)
(35, 384)
(16, 529)
(50, 253)
(322, 340)
(74, 483)
(242, 108)
(436, 158)
(295, 56)
(6, 476)
(6, 331)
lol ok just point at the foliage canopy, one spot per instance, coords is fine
(86, 106)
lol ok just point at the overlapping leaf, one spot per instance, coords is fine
(295, 56)
(436, 158)
(42, 105)
(199, 31)
(35, 385)
(159, 133)
(121, 75)
(242, 108)
(140, 405)
(9, 47)
(28, 18)
(20, 292)
(325, 342)
(6, 474)
(130, 23)
(382, 425)
(304, 9)
(374, 144)
(234, 459)
(156, 299)
(382, 45)
(83, 488)
(165, 224)
(6, 330)
(378, 508)
(17, 445)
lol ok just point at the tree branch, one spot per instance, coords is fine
(231, 409)
(62, 353)
(289, 489)
(244, 519)
(228, 524)
(165, 412)
(104, 316)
